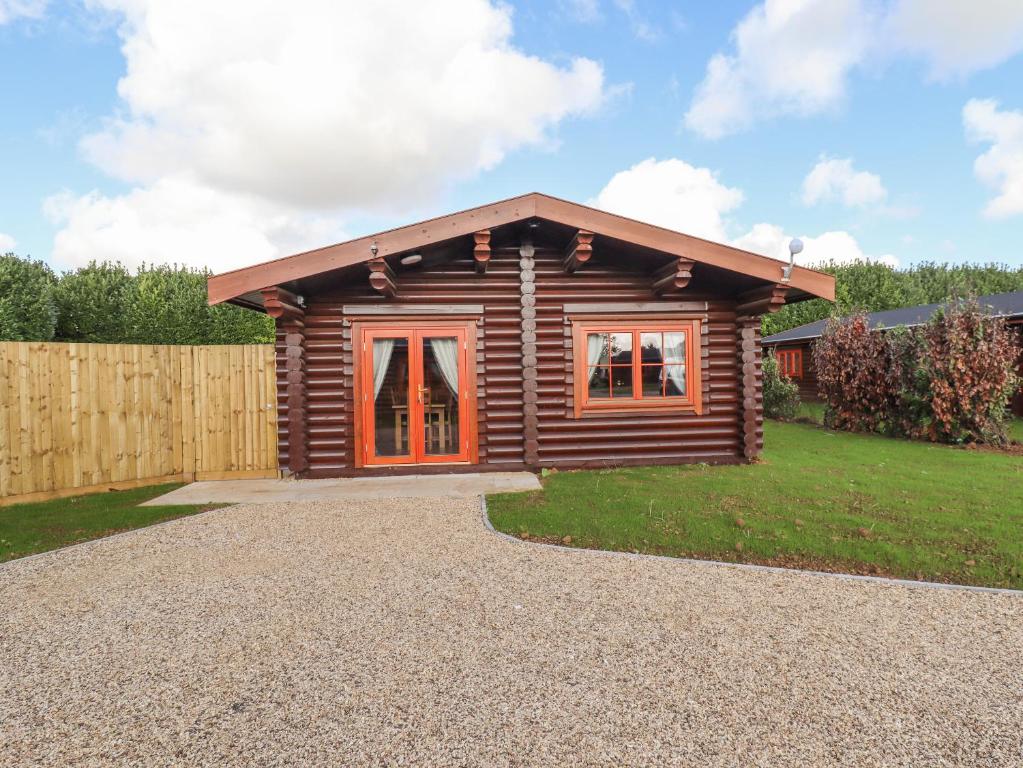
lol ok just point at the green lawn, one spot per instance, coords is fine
(822, 500)
(29, 528)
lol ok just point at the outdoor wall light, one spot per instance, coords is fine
(795, 247)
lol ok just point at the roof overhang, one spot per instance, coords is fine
(242, 286)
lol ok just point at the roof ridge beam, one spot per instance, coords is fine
(481, 250)
(281, 303)
(381, 277)
(673, 276)
(762, 301)
(579, 251)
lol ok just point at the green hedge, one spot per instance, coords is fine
(105, 303)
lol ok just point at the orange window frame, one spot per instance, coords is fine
(692, 401)
(790, 362)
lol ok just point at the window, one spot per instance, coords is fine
(651, 365)
(790, 362)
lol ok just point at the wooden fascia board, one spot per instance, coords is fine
(230, 284)
(686, 246)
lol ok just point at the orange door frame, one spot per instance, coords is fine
(416, 332)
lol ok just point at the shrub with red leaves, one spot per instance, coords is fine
(969, 359)
(853, 375)
(947, 381)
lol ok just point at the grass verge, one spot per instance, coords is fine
(26, 529)
(819, 499)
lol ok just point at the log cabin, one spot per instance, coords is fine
(528, 333)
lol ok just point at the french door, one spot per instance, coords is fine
(415, 395)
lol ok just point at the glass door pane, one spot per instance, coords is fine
(439, 395)
(390, 361)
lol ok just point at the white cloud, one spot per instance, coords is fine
(791, 57)
(1001, 167)
(957, 37)
(315, 102)
(177, 220)
(839, 247)
(673, 194)
(295, 110)
(15, 9)
(835, 179)
(7, 243)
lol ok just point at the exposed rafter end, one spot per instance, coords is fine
(280, 303)
(481, 250)
(761, 301)
(674, 276)
(381, 277)
(578, 251)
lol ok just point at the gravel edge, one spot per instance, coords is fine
(883, 580)
(610, 553)
(117, 535)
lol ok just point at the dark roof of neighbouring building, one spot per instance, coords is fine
(999, 304)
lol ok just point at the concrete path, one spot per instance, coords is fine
(403, 632)
(406, 486)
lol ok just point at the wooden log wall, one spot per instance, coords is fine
(330, 363)
(526, 421)
(752, 402)
(623, 439)
(77, 418)
(530, 388)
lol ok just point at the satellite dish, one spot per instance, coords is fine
(795, 246)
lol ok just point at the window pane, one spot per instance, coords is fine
(390, 397)
(621, 381)
(621, 348)
(599, 384)
(440, 400)
(675, 347)
(675, 386)
(653, 381)
(596, 348)
(651, 347)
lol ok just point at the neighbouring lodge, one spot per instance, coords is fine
(794, 348)
(529, 333)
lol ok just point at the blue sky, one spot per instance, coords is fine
(324, 121)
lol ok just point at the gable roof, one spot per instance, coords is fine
(999, 304)
(230, 285)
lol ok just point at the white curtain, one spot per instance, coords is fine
(675, 350)
(382, 349)
(596, 345)
(677, 376)
(445, 352)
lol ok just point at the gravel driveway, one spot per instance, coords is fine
(404, 632)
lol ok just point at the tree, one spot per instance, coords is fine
(28, 311)
(969, 359)
(168, 305)
(948, 380)
(781, 395)
(92, 303)
(874, 287)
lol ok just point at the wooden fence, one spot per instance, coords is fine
(76, 418)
